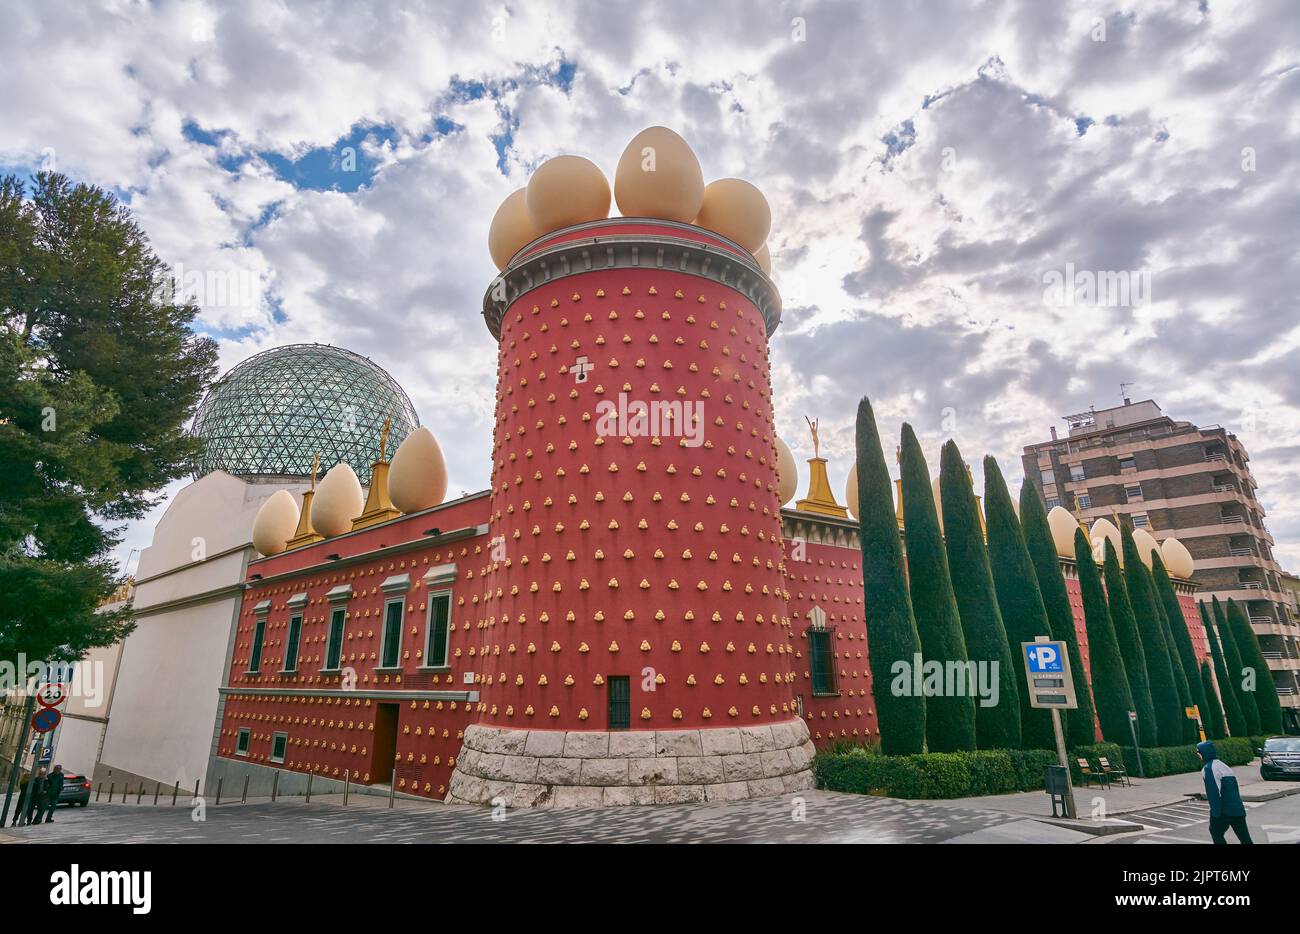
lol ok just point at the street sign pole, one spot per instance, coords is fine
(1070, 810)
(1133, 730)
(18, 757)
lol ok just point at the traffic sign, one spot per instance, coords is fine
(52, 694)
(1047, 671)
(45, 720)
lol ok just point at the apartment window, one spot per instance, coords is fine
(821, 662)
(334, 644)
(435, 652)
(620, 702)
(1076, 472)
(1053, 502)
(392, 644)
(259, 633)
(1134, 492)
(1141, 520)
(241, 742)
(1127, 463)
(279, 744)
(291, 644)
(1084, 501)
(1048, 477)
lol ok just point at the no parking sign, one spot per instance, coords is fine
(45, 720)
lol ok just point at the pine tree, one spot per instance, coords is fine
(1189, 734)
(891, 628)
(1226, 696)
(1110, 685)
(1078, 722)
(1182, 639)
(950, 715)
(1236, 669)
(996, 726)
(1212, 712)
(1130, 646)
(1160, 672)
(1266, 702)
(1019, 600)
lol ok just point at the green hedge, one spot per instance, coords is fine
(933, 775)
(1166, 760)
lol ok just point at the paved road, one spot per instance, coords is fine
(1276, 821)
(827, 818)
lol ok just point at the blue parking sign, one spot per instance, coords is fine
(1043, 656)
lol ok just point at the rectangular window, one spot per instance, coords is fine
(435, 653)
(241, 744)
(291, 644)
(392, 645)
(334, 647)
(1084, 501)
(821, 662)
(1048, 477)
(1127, 463)
(1141, 520)
(1134, 492)
(1076, 472)
(1053, 502)
(255, 659)
(279, 744)
(620, 702)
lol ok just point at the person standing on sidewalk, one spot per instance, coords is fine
(24, 785)
(35, 797)
(53, 788)
(1226, 807)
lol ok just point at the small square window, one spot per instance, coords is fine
(1053, 502)
(1134, 492)
(1127, 463)
(241, 743)
(279, 745)
(1076, 472)
(1084, 500)
(1048, 477)
(1141, 520)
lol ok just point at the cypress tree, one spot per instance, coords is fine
(1160, 672)
(1236, 670)
(1079, 722)
(1188, 730)
(1182, 639)
(1130, 646)
(1266, 702)
(1226, 696)
(996, 726)
(1110, 686)
(950, 715)
(1212, 712)
(1021, 604)
(891, 628)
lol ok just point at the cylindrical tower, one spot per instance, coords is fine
(635, 645)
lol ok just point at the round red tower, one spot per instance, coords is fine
(634, 640)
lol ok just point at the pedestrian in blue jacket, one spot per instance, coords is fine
(1226, 809)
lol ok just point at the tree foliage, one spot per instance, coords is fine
(1110, 682)
(1160, 672)
(1265, 694)
(1130, 646)
(1226, 696)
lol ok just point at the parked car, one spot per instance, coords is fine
(76, 789)
(1279, 759)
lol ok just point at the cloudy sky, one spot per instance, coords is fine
(929, 166)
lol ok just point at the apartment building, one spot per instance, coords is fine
(1175, 478)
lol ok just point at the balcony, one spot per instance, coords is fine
(1241, 553)
(1232, 520)
(1215, 459)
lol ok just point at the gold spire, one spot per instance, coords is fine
(379, 508)
(305, 534)
(820, 499)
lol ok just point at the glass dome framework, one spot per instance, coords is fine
(271, 413)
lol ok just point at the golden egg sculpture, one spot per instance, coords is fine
(275, 523)
(658, 176)
(787, 473)
(1062, 526)
(1178, 560)
(338, 501)
(737, 210)
(1103, 530)
(417, 477)
(851, 490)
(1145, 545)
(567, 190)
(764, 259)
(512, 229)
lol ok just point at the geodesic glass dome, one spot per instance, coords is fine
(273, 411)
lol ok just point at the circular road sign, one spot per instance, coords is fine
(45, 720)
(52, 694)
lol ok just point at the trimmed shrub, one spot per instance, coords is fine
(1160, 670)
(1211, 712)
(1226, 696)
(1190, 735)
(1236, 671)
(1182, 641)
(934, 775)
(1265, 693)
(1130, 646)
(891, 628)
(1110, 685)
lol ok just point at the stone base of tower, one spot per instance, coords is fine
(553, 768)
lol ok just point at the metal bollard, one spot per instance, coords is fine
(157, 786)
(275, 784)
(98, 789)
(176, 790)
(219, 781)
(244, 798)
(139, 794)
(392, 789)
(196, 787)
(110, 791)
(347, 785)
(309, 778)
